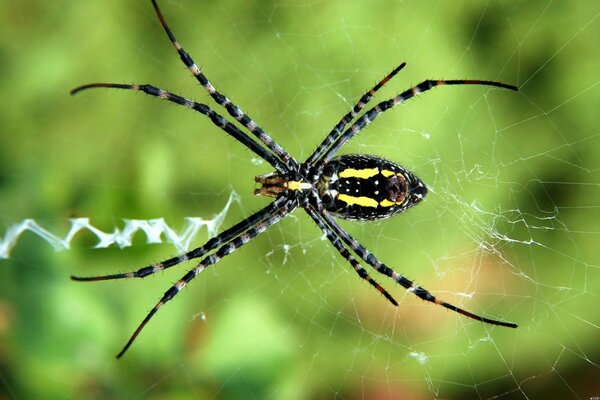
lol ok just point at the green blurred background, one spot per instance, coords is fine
(510, 229)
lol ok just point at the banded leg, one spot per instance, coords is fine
(335, 241)
(371, 114)
(226, 249)
(216, 118)
(213, 243)
(223, 101)
(346, 119)
(420, 292)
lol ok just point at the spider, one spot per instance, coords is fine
(351, 186)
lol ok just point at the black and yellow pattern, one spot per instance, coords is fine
(355, 187)
(363, 187)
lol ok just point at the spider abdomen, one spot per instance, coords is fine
(364, 187)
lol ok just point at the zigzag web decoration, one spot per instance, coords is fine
(154, 229)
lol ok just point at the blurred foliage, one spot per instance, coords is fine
(511, 221)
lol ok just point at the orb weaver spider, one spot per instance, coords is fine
(351, 187)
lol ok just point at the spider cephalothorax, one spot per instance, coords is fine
(354, 187)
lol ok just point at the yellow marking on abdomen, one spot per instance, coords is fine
(387, 173)
(364, 173)
(362, 201)
(386, 203)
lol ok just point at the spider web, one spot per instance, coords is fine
(509, 229)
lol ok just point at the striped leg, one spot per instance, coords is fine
(224, 237)
(335, 241)
(226, 249)
(223, 101)
(217, 119)
(371, 114)
(420, 292)
(339, 128)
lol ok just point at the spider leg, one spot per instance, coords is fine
(226, 249)
(346, 119)
(335, 241)
(216, 118)
(223, 101)
(420, 292)
(224, 237)
(372, 113)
